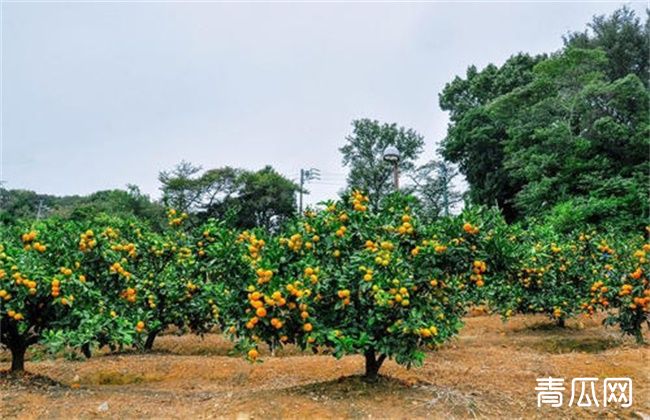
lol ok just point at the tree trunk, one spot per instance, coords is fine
(85, 349)
(148, 345)
(373, 364)
(560, 323)
(639, 337)
(18, 358)
(638, 332)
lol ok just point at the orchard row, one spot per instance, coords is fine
(353, 278)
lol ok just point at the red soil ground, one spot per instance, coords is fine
(489, 371)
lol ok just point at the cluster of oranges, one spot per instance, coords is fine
(87, 240)
(110, 233)
(597, 293)
(276, 323)
(190, 289)
(359, 200)
(294, 242)
(344, 295)
(263, 276)
(200, 251)
(254, 245)
(531, 275)
(66, 301)
(437, 246)
(371, 246)
(4, 295)
(29, 236)
(37, 246)
(17, 316)
(312, 274)
(478, 268)
(383, 258)
(397, 296)
(175, 220)
(406, 228)
(367, 273)
(604, 248)
(116, 268)
(139, 327)
(29, 284)
(641, 302)
(184, 253)
(28, 240)
(431, 331)
(470, 229)
(128, 248)
(151, 300)
(296, 291)
(257, 301)
(340, 232)
(641, 254)
(130, 294)
(400, 296)
(214, 308)
(56, 287)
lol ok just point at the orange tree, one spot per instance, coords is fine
(546, 273)
(355, 278)
(149, 280)
(41, 290)
(175, 288)
(621, 273)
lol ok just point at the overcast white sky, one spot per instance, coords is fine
(98, 95)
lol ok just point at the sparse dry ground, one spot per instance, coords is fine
(489, 371)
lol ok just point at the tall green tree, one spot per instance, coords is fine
(247, 199)
(568, 133)
(623, 38)
(435, 188)
(266, 199)
(181, 187)
(475, 139)
(363, 155)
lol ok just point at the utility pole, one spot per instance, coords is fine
(40, 208)
(445, 188)
(305, 176)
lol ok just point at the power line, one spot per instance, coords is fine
(305, 176)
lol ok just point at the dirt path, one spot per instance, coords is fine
(490, 371)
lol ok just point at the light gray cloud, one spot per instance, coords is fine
(98, 95)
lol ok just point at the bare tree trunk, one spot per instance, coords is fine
(148, 345)
(85, 349)
(18, 358)
(373, 364)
